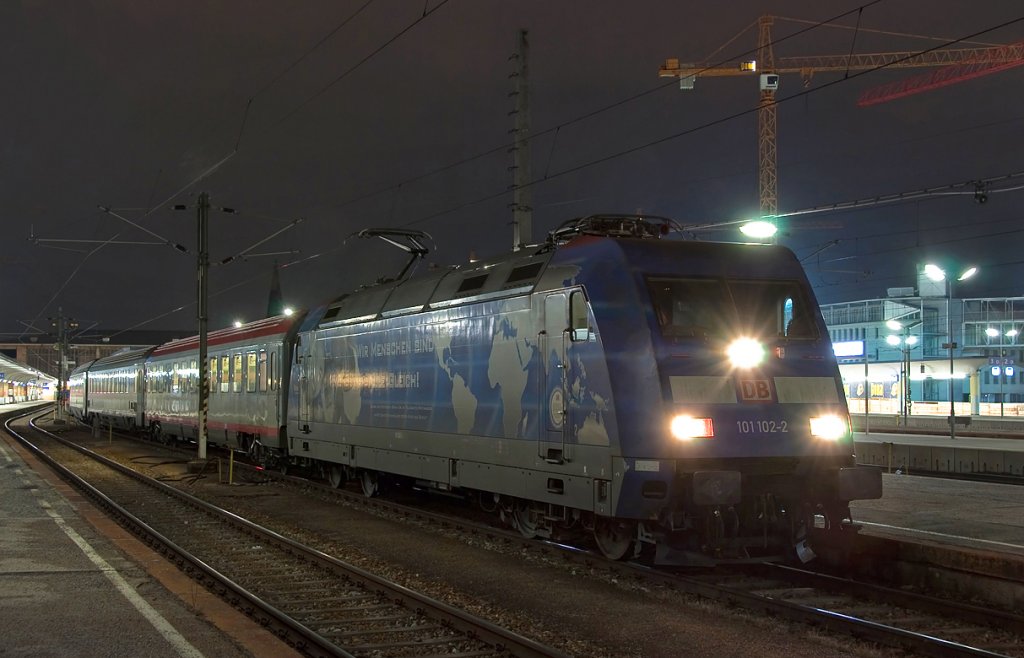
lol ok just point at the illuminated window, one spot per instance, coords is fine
(250, 372)
(236, 374)
(225, 373)
(262, 368)
(214, 375)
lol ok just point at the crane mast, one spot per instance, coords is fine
(958, 64)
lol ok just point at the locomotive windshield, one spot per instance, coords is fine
(722, 308)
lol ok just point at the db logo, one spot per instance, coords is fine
(756, 390)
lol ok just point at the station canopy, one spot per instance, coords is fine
(15, 371)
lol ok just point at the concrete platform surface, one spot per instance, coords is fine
(73, 583)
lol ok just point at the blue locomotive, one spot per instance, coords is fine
(656, 393)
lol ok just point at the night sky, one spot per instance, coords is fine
(356, 114)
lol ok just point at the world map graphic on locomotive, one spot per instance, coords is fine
(440, 376)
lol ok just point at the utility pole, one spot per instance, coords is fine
(203, 267)
(522, 213)
(62, 325)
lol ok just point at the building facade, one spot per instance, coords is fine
(898, 350)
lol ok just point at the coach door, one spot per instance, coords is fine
(553, 342)
(303, 363)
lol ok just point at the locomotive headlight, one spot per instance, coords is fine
(745, 353)
(686, 427)
(829, 428)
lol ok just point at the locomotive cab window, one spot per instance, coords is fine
(578, 317)
(719, 308)
(774, 309)
(689, 308)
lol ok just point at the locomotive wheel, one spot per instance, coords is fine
(523, 523)
(336, 477)
(614, 538)
(370, 482)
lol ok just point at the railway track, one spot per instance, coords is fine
(316, 603)
(920, 624)
(923, 625)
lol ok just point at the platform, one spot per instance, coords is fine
(938, 453)
(74, 583)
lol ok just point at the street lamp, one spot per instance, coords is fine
(759, 229)
(906, 342)
(936, 273)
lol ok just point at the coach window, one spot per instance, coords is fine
(250, 372)
(213, 375)
(262, 369)
(225, 373)
(175, 377)
(272, 371)
(236, 373)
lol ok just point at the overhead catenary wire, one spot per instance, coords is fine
(721, 120)
(662, 140)
(501, 148)
(703, 126)
(217, 165)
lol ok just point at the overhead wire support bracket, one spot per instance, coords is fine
(179, 247)
(245, 252)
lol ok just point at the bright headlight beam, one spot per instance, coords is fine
(745, 353)
(829, 428)
(685, 427)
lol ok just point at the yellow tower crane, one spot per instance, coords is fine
(957, 65)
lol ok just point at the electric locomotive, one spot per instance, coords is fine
(656, 393)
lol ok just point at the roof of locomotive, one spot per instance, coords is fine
(726, 259)
(504, 276)
(618, 241)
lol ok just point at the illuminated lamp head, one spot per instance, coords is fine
(829, 427)
(745, 353)
(687, 428)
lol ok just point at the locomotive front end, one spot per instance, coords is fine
(754, 418)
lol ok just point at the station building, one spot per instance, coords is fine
(902, 353)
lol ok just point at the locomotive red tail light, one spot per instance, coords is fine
(686, 428)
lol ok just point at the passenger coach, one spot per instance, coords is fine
(247, 366)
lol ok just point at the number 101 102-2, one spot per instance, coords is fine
(769, 426)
